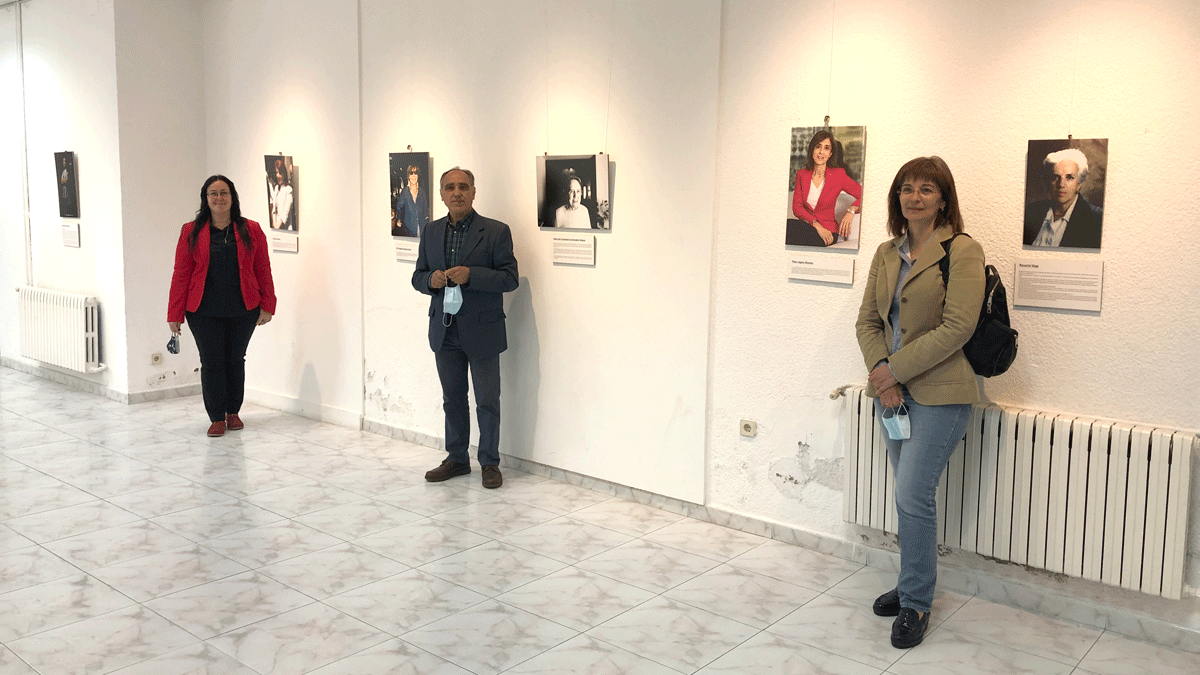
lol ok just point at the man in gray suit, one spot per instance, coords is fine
(474, 254)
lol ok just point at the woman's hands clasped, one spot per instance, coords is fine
(886, 385)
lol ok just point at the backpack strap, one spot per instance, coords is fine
(944, 263)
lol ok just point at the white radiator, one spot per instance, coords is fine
(62, 329)
(1085, 498)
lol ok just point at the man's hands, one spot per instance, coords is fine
(459, 275)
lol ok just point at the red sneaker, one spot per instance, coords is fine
(217, 429)
(234, 423)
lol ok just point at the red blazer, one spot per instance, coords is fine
(836, 182)
(191, 269)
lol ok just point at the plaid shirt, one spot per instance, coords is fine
(455, 234)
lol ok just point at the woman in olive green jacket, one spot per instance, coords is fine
(911, 329)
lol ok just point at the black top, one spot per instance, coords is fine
(223, 284)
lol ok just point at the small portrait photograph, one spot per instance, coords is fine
(573, 192)
(825, 186)
(283, 193)
(68, 186)
(1064, 193)
(411, 199)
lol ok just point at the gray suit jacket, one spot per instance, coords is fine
(488, 251)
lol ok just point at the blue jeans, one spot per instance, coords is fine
(917, 464)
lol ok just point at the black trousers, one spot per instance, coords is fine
(800, 233)
(452, 366)
(222, 342)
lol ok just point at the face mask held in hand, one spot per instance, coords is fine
(897, 423)
(451, 302)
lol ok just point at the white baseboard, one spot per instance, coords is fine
(315, 411)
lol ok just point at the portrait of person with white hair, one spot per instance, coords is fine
(1064, 193)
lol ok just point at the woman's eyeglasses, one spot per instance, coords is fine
(925, 191)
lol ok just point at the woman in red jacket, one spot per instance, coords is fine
(818, 186)
(222, 284)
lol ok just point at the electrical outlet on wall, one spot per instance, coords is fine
(748, 427)
(156, 359)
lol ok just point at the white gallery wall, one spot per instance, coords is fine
(286, 82)
(160, 106)
(12, 189)
(971, 82)
(71, 93)
(606, 366)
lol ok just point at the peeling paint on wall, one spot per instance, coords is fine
(792, 474)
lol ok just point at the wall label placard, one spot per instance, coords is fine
(828, 268)
(406, 249)
(574, 250)
(1059, 284)
(285, 243)
(70, 234)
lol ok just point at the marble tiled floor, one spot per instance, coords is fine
(132, 544)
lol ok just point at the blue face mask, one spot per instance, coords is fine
(452, 299)
(897, 423)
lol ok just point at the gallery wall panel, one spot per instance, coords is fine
(606, 369)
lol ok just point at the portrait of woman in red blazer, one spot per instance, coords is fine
(222, 287)
(818, 186)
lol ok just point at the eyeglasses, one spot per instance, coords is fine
(413, 173)
(222, 193)
(925, 191)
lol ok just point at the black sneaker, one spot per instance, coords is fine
(887, 604)
(909, 628)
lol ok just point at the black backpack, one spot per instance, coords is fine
(992, 348)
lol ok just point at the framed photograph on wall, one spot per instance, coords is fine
(283, 193)
(68, 184)
(1064, 193)
(573, 192)
(411, 196)
(825, 186)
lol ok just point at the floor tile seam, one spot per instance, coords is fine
(681, 601)
(640, 656)
(1012, 646)
(571, 563)
(411, 629)
(885, 630)
(255, 567)
(706, 556)
(809, 585)
(127, 560)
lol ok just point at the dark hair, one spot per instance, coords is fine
(204, 214)
(411, 168)
(280, 169)
(835, 151)
(934, 170)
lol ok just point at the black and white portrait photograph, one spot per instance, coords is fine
(68, 186)
(411, 199)
(825, 186)
(573, 192)
(283, 198)
(1064, 193)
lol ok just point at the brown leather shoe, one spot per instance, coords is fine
(217, 429)
(447, 470)
(234, 423)
(491, 477)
